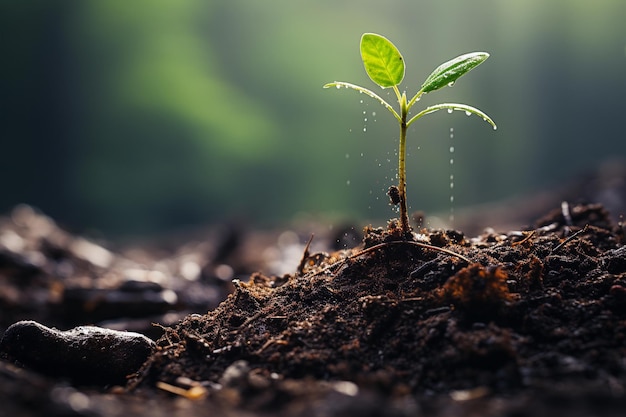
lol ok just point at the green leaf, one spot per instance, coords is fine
(382, 60)
(450, 71)
(340, 84)
(469, 110)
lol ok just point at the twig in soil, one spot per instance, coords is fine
(411, 299)
(305, 256)
(269, 343)
(251, 318)
(423, 268)
(196, 392)
(380, 245)
(569, 239)
(528, 236)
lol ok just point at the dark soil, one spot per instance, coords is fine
(524, 323)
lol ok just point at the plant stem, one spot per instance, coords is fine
(404, 215)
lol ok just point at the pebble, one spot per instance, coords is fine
(86, 355)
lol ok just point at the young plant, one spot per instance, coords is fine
(385, 66)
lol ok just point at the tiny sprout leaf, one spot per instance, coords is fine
(469, 110)
(339, 84)
(382, 60)
(450, 71)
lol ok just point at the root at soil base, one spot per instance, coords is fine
(404, 319)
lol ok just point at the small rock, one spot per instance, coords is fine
(85, 355)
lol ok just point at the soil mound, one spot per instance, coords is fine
(528, 315)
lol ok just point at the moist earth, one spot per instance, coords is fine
(528, 322)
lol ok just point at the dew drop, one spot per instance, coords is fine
(468, 113)
(373, 114)
(348, 182)
(338, 86)
(365, 129)
(450, 111)
(347, 156)
(365, 120)
(450, 84)
(361, 101)
(495, 128)
(361, 154)
(451, 149)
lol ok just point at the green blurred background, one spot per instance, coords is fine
(140, 117)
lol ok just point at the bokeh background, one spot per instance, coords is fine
(140, 117)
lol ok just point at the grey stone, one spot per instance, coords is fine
(86, 354)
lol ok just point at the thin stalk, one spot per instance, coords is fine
(404, 215)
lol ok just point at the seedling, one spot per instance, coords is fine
(385, 66)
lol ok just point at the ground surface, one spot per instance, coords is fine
(523, 323)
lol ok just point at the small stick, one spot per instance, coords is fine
(380, 245)
(569, 239)
(197, 392)
(305, 256)
(528, 236)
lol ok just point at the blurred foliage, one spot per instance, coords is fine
(143, 116)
